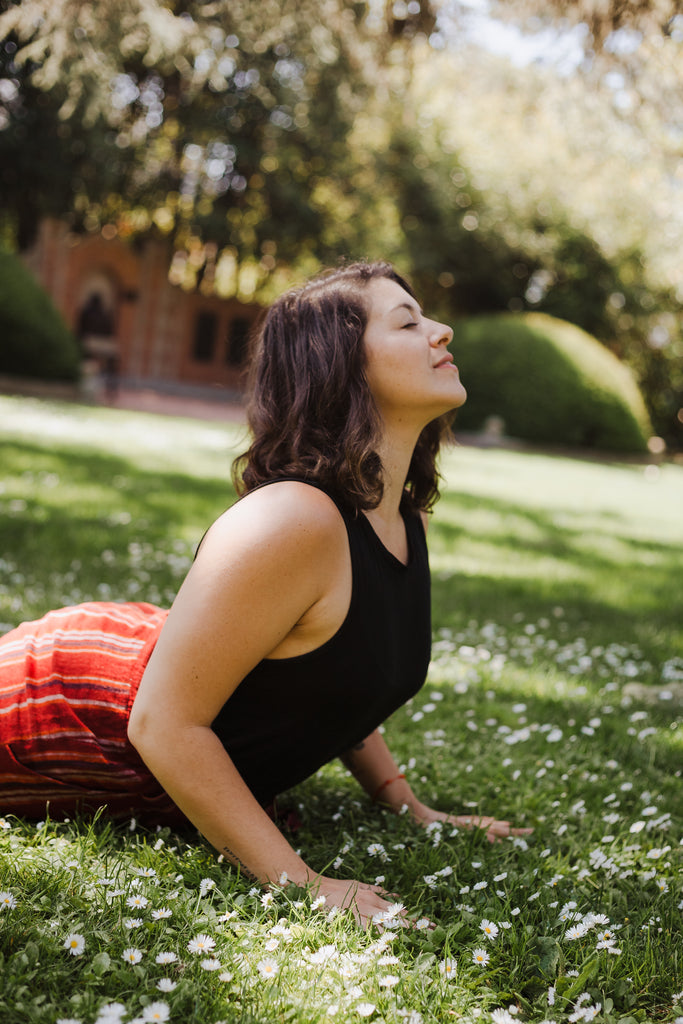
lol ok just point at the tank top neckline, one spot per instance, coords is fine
(383, 549)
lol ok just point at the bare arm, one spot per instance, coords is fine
(260, 584)
(373, 766)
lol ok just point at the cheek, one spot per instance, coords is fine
(384, 369)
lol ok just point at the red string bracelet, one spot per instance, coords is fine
(385, 784)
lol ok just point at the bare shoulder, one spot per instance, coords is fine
(285, 519)
(292, 501)
(271, 579)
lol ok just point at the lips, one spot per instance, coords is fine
(446, 361)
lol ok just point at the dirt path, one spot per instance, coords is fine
(143, 400)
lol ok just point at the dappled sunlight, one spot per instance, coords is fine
(521, 533)
(483, 559)
(556, 591)
(164, 442)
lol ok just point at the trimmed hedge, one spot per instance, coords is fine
(549, 381)
(34, 340)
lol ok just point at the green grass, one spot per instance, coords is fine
(556, 589)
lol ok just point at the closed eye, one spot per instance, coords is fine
(412, 324)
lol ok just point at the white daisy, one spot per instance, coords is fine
(323, 955)
(227, 916)
(7, 901)
(166, 958)
(268, 967)
(162, 912)
(502, 1016)
(137, 901)
(211, 964)
(74, 943)
(159, 1011)
(448, 967)
(111, 1012)
(201, 944)
(481, 957)
(132, 955)
(388, 981)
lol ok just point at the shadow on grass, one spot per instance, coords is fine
(626, 588)
(61, 511)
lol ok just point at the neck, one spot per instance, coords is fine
(395, 450)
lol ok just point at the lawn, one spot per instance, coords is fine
(554, 699)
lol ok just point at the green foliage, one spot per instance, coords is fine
(544, 151)
(263, 141)
(455, 261)
(35, 340)
(549, 381)
(211, 123)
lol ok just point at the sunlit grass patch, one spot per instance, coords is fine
(556, 587)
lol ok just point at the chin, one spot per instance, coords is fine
(460, 399)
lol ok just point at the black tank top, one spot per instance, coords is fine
(289, 716)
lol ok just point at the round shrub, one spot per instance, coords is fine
(35, 341)
(549, 381)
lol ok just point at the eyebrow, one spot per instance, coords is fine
(411, 307)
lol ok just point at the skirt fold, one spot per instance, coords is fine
(67, 684)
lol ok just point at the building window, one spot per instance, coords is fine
(205, 337)
(238, 336)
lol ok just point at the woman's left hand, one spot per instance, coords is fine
(495, 830)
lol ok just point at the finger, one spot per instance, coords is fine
(504, 830)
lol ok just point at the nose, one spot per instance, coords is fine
(440, 334)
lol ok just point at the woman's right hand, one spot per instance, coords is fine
(365, 901)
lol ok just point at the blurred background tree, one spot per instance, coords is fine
(193, 120)
(264, 140)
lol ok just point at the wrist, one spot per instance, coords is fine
(395, 793)
(300, 875)
(379, 793)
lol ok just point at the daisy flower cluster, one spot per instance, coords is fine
(179, 938)
(479, 651)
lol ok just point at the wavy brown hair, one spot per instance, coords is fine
(311, 411)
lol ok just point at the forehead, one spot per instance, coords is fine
(385, 295)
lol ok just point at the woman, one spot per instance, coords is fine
(303, 622)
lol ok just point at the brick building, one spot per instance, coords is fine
(118, 300)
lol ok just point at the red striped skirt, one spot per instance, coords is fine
(67, 684)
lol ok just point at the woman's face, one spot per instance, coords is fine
(409, 369)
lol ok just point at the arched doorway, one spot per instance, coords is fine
(96, 330)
